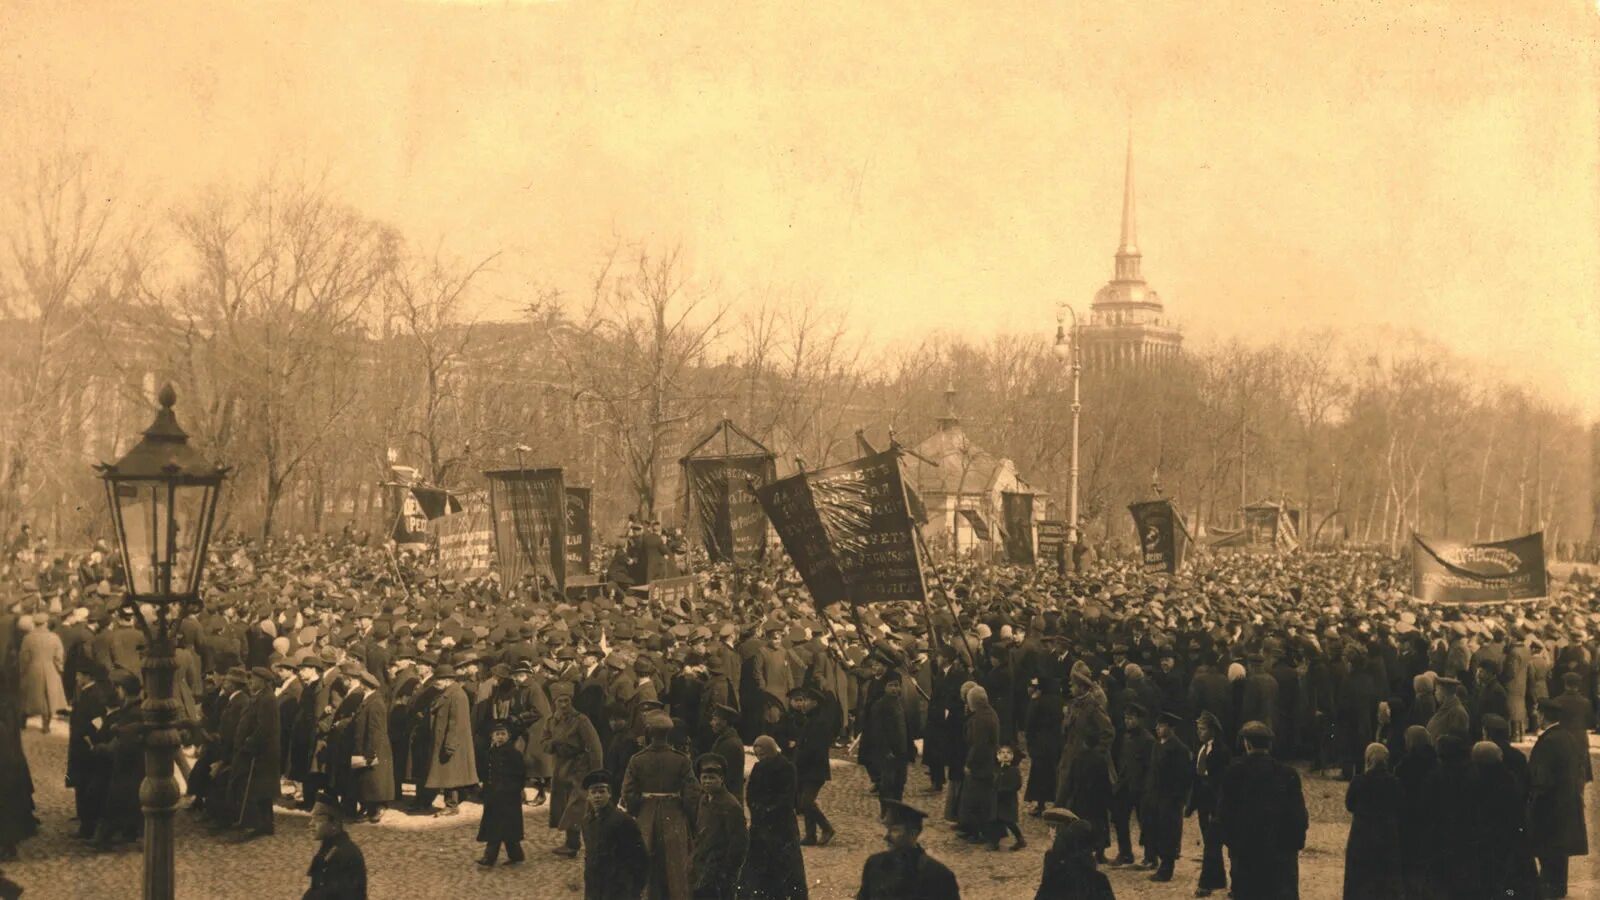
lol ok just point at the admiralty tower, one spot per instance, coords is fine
(1127, 325)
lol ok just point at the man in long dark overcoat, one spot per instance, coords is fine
(1556, 826)
(256, 761)
(451, 762)
(1262, 815)
(371, 765)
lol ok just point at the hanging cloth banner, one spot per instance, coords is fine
(529, 507)
(1053, 545)
(1163, 540)
(1453, 572)
(793, 512)
(1016, 514)
(724, 507)
(419, 505)
(464, 539)
(848, 530)
(580, 530)
(863, 506)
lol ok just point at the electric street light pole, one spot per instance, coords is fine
(1067, 347)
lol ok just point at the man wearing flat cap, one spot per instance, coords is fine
(1451, 717)
(1263, 822)
(338, 871)
(905, 870)
(720, 835)
(727, 744)
(1132, 772)
(614, 857)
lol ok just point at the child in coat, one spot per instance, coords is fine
(1007, 782)
(503, 772)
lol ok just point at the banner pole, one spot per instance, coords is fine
(922, 545)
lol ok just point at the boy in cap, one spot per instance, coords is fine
(503, 774)
(905, 869)
(1165, 794)
(338, 871)
(1133, 768)
(614, 857)
(720, 836)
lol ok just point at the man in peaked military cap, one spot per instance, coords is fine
(905, 870)
(720, 835)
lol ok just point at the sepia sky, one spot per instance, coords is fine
(957, 166)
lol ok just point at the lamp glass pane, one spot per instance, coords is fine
(141, 505)
(190, 506)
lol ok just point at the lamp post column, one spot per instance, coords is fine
(158, 793)
(1072, 496)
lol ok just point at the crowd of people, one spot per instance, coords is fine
(1111, 703)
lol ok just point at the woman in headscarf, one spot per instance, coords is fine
(1372, 852)
(976, 814)
(1044, 736)
(1501, 845)
(1413, 770)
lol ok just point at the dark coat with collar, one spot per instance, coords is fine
(338, 871)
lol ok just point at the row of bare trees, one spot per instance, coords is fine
(312, 346)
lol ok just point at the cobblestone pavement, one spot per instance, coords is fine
(425, 858)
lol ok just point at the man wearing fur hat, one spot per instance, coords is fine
(573, 746)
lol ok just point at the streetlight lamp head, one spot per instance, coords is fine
(163, 498)
(1063, 345)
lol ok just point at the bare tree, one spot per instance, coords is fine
(271, 319)
(638, 351)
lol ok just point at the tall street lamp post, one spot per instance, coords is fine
(1067, 348)
(163, 498)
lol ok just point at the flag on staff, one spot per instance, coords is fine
(529, 509)
(793, 512)
(418, 505)
(464, 539)
(919, 510)
(580, 530)
(1163, 540)
(1016, 519)
(848, 529)
(1452, 572)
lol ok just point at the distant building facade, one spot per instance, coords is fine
(1127, 325)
